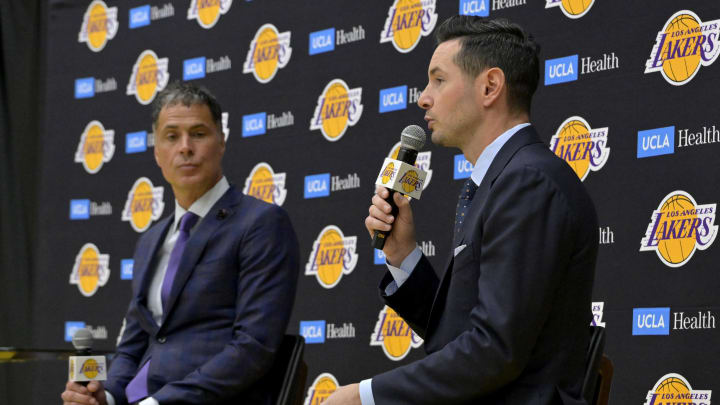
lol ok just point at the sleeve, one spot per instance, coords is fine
(523, 254)
(268, 269)
(400, 274)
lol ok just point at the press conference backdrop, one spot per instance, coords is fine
(315, 96)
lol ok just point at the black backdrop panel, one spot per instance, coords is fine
(639, 293)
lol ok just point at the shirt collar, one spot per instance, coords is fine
(202, 205)
(488, 155)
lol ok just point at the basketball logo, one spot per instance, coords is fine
(91, 270)
(388, 173)
(679, 227)
(338, 107)
(333, 254)
(422, 162)
(394, 335)
(269, 51)
(683, 45)
(410, 182)
(266, 185)
(583, 148)
(571, 8)
(674, 389)
(100, 24)
(90, 368)
(148, 77)
(323, 386)
(97, 146)
(207, 12)
(407, 22)
(144, 204)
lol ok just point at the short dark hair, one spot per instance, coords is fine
(496, 43)
(187, 94)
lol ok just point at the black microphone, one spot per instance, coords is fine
(412, 140)
(84, 367)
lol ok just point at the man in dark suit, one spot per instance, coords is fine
(214, 283)
(507, 320)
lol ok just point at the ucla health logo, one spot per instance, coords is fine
(136, 142)
(583, 148)
(338, 107)
(91, 270)
(462, 168)
(407, 22)
(319, 391)
(679, 227)
(674, 389)
(421, 162)
(571, 8)
(561, 70)
(144, 204)
(321, 41)
(126, 269)
(682, 46)
(480, 8)
(394, 335)
(100, 24)
(317, 185)
(333, 255)
(393, 99)
(96, 146)
(313, 331)
(651, 321)
(139, 17)
(655, 142)
(269, 51)
(207, 12)
(148, 77)
(266, 185)
(254, 124)
(194, 68)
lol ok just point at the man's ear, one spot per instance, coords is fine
(492, 86)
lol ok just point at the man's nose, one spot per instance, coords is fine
(424, 101)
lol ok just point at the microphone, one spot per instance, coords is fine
(412, 139)
(84, 367)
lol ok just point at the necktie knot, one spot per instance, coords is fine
(188, 221)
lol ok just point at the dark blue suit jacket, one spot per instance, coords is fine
(507, 321)
(228, 309)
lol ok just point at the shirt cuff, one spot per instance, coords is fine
(402, 273)
(149, 401)
(366, 395)
(109, 398)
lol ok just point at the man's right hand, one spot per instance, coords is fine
(93, 394)
(401, 242)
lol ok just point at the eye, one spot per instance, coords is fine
(171, 136)
(198, 134)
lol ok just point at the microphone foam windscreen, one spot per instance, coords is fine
(413, 137)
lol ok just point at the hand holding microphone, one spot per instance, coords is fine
(85, 372)
(393, 213)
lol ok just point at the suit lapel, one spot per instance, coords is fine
(145, 270)
(197, 242)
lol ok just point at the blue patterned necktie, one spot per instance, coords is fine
(466, 195)
(137, 389)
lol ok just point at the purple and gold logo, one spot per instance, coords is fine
(583, 148)
(407, 22)
(394, 335)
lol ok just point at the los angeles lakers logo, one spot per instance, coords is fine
(266, 185)
(674, 389)
(388, 173)
(394, 335)
(100, 24)
(583, 148)
(679, 227)
(407, 22)
(422, 161)
(207, 12)
(338, 107)
(571, 8)
(323, 386)
(410, 182)
(91, 368)
(144, 204)
(333, 255)
(97, 146)
(269, 51)
(91, 270)
(149, 76)
(682, 46)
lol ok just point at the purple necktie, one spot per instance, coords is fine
(137, 389)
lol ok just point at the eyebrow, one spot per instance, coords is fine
(435, 70)
(194, 126)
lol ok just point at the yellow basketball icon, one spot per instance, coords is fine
(681, 68)
(142, 205)
(572, 134)
(266, 54)
(672, 385)
(576, 7)
(406, 25)
(410, 181)
(88, 270)
(97, 26)
(319, 391)
(388, 173)
(90, 368)
(675, 209)
(146, 79)
(93, 149)
(397, 335)
(328, 260)
(208, 12)
(262, 185)
(336, 113)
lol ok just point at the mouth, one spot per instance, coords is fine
(187, 166)
(430, 122)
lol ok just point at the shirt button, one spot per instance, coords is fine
(162, 339)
